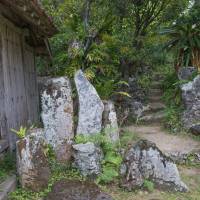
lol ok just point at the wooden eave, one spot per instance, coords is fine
(28, 14)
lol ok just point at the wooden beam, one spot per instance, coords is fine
(30, 12)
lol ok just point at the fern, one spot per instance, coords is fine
(112, 159)
(21, 133)
(107, 175)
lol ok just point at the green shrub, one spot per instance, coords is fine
(172, 99)
(21, 133)
(144, 81)
(112, 158)
(148, 185)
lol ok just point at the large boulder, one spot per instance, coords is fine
(144, 161)
(76, 190)
(57, 115)
(90, 106)
(32, 162)
(87, 158)
(191, 100)
(110, 124)
(186, 73)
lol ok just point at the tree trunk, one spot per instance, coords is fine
(196, 58)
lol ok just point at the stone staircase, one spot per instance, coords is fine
(154, 113)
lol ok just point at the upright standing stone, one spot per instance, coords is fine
(90, 106)
(32, 162)
(110, 124)
(57, 115)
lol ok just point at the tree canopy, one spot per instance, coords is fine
(113, 39)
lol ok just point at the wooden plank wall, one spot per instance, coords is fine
(2, 92)
(31, 84)
(20, 89)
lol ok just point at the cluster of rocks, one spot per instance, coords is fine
(58, 120)
(191, 99)
(143, 161)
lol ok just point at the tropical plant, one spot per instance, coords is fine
(149, 185)
(21, 133)
(184, 38)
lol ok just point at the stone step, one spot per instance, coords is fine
(154, 107)
(156, 85)
(3, 145)
(8, 186)
(153, 98)
(155, 92)
(153, 118)
(158, 76)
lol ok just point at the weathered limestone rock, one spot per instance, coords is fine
(76, 190)
(186, 73)
(184, 158)
(87, 158)
(195, 129)
(32, 163)
(110, 121)
(191, 100)
(90, 106)
(57, 115)
(144, 161)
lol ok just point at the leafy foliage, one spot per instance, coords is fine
(21, 133)
(144, 81)
(109, 43)
(112, 159)
(148, 185)
(184, 37)
(172, 98)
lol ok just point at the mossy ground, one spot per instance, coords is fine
(7, 166)
(190, 175)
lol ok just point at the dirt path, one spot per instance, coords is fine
(167, 142)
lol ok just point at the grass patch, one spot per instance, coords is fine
(192, 179)
(127, 137)
(7, 166)
(59, 172)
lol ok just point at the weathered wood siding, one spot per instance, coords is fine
(19, 80)
(2, 95)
